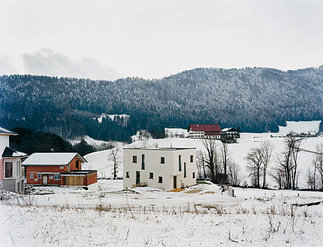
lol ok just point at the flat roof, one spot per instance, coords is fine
(161, 148)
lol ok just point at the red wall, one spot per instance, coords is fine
(35, 169)
(91, 179)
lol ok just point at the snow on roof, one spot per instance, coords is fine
(204, 127)
(4, 131)
(51, 158)
(299, 127)
(10, 152)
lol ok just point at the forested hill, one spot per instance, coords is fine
(254, 99)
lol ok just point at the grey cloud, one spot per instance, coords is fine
(48, 62)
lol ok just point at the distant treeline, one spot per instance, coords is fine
(30, 141)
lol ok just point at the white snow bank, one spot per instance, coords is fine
(311, 127)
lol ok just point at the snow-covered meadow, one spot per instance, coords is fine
(202, 215)
(105, 215)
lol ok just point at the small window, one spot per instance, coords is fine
(77, 164)
(8, 170)
(57, 177)
(193, 175)
(179, 163)
(191, 158)
(160, 180)
(31, 176)
(184, 169)
(127, 175)
(61, 167)
(134, 159)
(162, 160)
(151, 175)
(39, 176)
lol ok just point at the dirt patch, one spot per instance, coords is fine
(193, 191)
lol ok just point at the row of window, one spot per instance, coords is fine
(162, 159)
(55, 176)
(160, 179)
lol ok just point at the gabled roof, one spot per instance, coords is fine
(12, 153)
(5, 132)
(204, 127)
(46, 159)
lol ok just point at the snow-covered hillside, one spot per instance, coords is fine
(103, 163)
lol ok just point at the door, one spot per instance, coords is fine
(137, 177)
(44, 179)
(175, 182)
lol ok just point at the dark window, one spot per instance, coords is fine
(179, 163)
(39, 176)
(191, 158)
(8, 169)
(160, 180)
(57, 177)
(134, 159)
(193, 175)
(162, 160)
(77, 164)
(31, 176)
(142, 162)
(151, 175)
(184, 169)
(127, 175)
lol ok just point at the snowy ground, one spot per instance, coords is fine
(199, 216)
(238, 151)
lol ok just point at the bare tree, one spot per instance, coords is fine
(225, 156)
(255, 165)
(266, 152)
(211, 157)
(114, 156)
(201, 164)
(288, 162)
(234, 171)
(318, 163)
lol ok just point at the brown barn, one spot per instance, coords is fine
(58, 169)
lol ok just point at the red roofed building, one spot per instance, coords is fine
(212, 131)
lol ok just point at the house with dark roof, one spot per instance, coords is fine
(229, 135)
(58, 169)
(211, 131)
(11, 171)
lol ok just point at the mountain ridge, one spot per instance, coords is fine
(254, 99)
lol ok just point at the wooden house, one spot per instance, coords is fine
(229, 135)
(58, 169)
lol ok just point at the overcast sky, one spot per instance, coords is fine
(109, 39)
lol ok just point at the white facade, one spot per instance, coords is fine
(163, 168)
(11, 171)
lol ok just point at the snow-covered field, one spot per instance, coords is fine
(199, 216)
(238, 151)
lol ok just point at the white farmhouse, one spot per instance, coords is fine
(163, 168)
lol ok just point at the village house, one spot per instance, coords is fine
(229, 135)
(211, 131)
(163, 168)
(58, 169)
(11, 172)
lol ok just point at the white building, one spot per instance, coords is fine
(163, 168)
(11, 171)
